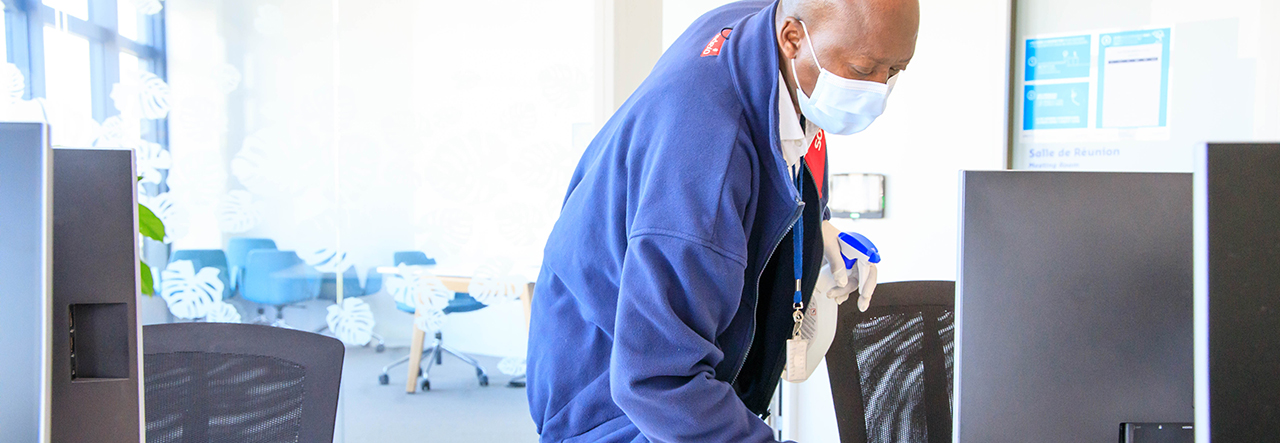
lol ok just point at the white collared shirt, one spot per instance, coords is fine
(795, 140)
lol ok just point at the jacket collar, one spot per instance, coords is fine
(752, 55)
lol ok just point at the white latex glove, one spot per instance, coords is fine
(863, 281)
(831, 256)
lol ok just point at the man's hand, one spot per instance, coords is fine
(862, 281)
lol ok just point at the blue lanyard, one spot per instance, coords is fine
(797, 235)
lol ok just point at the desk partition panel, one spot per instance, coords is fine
(25, 259)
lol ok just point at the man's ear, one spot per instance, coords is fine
(789, 35)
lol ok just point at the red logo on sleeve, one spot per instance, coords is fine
(713, 47)
(816, 159)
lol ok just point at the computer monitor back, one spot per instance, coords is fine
(1074, 305)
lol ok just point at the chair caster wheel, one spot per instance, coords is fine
(384, 379)
(484, 380)
(381, 347)
(426, 385)
(515, 384)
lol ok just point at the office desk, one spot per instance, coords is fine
(455, 283)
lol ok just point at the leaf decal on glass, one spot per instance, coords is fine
(249, 165)
(176, 220)
(418, 290)
(148, 7)
(112, 133)
(152, 158)
(236, 213)
(12, 84)
(222, 312)
(429, 321)
(513, 366)
(188, 293)
(154, 96)
(328, 260)
(351, 321)
(494, 283)
(141, 95)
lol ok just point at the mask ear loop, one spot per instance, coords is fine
(812, 51)
(796, 75)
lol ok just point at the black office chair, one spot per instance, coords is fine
(891, 367)
(238, 383)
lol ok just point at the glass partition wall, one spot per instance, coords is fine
(362, 136)
(346, 167)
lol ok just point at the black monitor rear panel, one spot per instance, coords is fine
(96, 377)
(1074, 305)
(1238, 281)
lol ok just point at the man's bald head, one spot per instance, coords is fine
(856, 16)
(857, 39)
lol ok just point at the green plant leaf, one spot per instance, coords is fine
(149, 225)
(148, 282)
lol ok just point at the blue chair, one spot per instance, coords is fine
(461, 302)
(208, 258)
(238, 251)
(412, 258)
(278, 279)
(373, 281)
(350, 288)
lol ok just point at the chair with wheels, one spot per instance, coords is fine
(278, 279)
(350, 288)
(891, 367)
(222, 382)
(434, 354)
(238, 252)
(208, 258)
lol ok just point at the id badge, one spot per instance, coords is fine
(797, 360)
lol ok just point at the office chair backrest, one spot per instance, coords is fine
(224, 383)
(890, 367)
(238, 253)
(372, 281)
(412, 258)
(208, 258)
(279, 277)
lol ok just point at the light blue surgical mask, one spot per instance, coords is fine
(840, 105)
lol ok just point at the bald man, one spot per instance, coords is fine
(694, 226)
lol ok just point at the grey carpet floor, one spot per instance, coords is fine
(456, 409)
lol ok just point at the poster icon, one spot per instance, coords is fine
(1056, 106)
(1058, 58)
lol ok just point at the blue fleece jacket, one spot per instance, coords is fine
(644, 311)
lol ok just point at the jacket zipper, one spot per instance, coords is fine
(790, 224)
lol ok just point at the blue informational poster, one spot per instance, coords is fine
(1058, 58)
(1133, 79)
(1055, 106)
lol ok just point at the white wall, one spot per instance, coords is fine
(677, 15)
(947, 113)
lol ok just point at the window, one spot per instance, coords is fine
(4, 40)
(88, 59)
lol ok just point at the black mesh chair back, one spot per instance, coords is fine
(239, 383)
(891, 367)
